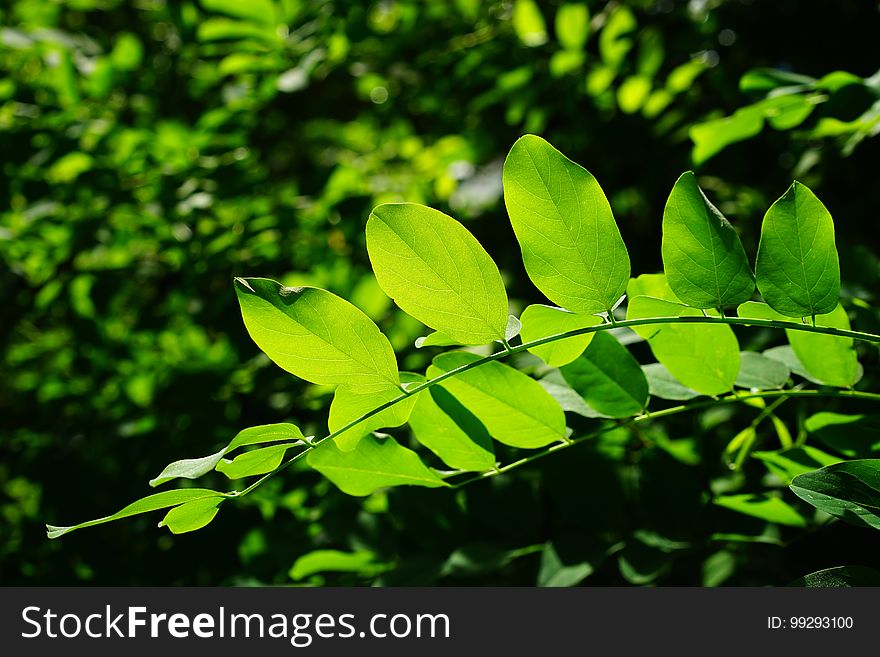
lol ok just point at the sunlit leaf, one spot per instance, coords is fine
(849, 490)
(571, 246)
(797, 268)
(540, 321)
(704, 260)
(316, 335)
(436, 271)
(513, 407)
(375, 463)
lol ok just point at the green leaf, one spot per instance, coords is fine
(528, 23)
(704, 358)
(609, 378)
(785, 355)
(316, 335)
(829, 359)
(190, 516)
(839, 577)
(436, 339)
(573, 25)
(758, 372)
(615, 38)
(259, 11)
(255, 462)
(849, 490)
(436, 271)
(195, 468)
(153, 502)
(651, 285)
(662, 384)
(798, 273)
(348, 405)
(554, 573)
(763, 506)
(566, 396)
(540, 321)
(789, 463)
(375, 463)
(221, 29)
(362, 562)
(704, 260)
(448, 429)
(854, 436)
(572, 249)
(712, 137)
(513, 407)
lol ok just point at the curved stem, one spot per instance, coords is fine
(509, 351)
(675, 410)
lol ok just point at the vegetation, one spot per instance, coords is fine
(156, 153)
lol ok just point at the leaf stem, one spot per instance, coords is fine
(646, 321)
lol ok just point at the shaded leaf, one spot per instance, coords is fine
(758, 372)
(513, 407)
(849, 490)
(763, 506)
(443, 425)
(609, 378)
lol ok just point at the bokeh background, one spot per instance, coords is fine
(151, 150)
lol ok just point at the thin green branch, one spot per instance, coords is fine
(675, 410)
(508, 351)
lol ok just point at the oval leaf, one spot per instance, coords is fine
(572, 249)
(191, 516)
(153, 502)
(758, 372)
(436, 271)
(375, 463)
(704, 358)
(349, 404)
(448, 429)
(849, 490)
(195, 468)
(704, 260)
(316, 335)
(513, 407)
(798, 273)
(609, 378)
(540, 321)
(828, 359)
(256, 462)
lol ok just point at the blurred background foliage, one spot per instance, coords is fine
(152, 150)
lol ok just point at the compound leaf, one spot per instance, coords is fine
(194, 468)
(146, 504)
